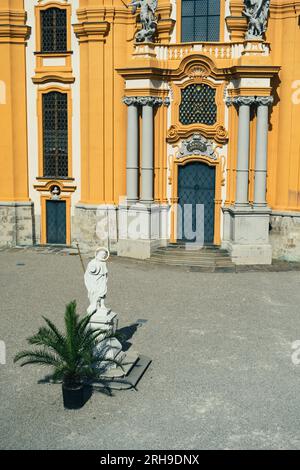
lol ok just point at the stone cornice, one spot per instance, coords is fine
(13, 26)
(257, 71)
(284, 8)
(91, 31)
(108, 13)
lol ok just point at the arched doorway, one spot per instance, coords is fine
(196, 199)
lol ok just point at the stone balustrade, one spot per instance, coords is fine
(215, 50)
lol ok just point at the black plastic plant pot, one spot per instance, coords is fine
(73, 397)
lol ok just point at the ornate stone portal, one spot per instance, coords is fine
(121, 374)
(197, 145)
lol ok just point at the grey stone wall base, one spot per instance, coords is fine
(94, 226)
(246, 235)
(249, 254)
(17, 224)
(142, 229)
(285, 236)
(139, 249)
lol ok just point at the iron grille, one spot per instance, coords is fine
(54, 30)
(198, 105)
(55, 134)
(200, 20)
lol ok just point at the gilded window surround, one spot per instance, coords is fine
(178, 131)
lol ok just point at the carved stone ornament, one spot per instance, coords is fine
(198, 72)
(197, 145)
(144, 101)
(148, 19)
(257, 12)
(264, 100)
(249, 100)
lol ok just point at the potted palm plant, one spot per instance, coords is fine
(72, 355)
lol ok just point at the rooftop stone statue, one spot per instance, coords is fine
(257, 12)
(148, 19)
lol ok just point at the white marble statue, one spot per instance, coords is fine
(148, 19)
(95, 279)
(257, 12)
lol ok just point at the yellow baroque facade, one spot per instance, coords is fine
(136, 126)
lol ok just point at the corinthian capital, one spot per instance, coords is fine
(264, 100)
(243, 100)
(149, 101)
(130, 100)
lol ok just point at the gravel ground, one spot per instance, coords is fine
(222, 376)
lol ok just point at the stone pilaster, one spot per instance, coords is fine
(246, 227)
(147, 168)
(132, 163)
(262, 125)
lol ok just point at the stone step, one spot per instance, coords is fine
(204, 254)
(190, 254)
(208, 258)
(185, 247)
(189, 262)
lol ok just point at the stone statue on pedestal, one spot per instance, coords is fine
(257, 12)
(148, 19)
(95, 279)
(115, 366)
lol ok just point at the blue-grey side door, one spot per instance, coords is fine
(196, 185)
(56, 222)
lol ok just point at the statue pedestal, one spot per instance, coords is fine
(144, 50)
(132, 366)
(108, 347)
(254, 47)
(106, 320)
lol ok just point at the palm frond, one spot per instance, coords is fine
(73, 354)
(38, 357)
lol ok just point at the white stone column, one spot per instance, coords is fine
(132, 165)
(147, 166)
(242, 170)
(262, 123)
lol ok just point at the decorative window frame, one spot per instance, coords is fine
(53, 66)
(177, 130)
(222, 22)
(41, 92)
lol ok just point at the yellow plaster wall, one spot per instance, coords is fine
(284, 142)
(103, 48)
(13, 122)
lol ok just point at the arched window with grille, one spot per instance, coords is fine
(55, 134)
(200, 20)
(54, 30)
(198, 105)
